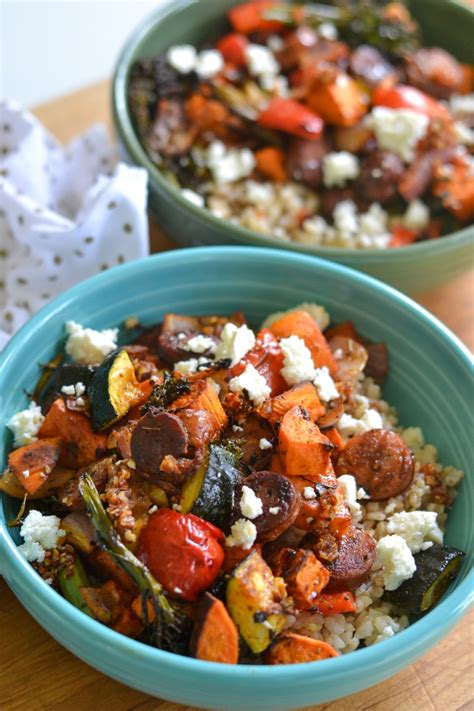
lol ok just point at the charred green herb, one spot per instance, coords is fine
(165, 393)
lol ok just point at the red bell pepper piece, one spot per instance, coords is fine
(247, 18)
(266, 357)
(291, 117)
(232, 47)
(407, 97)
(182, 551)
(335, 603)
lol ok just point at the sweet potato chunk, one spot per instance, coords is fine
(203, 397)
(340, 102)
(304, 450)
(33, 463)
(80, 445)
(305, 577)
(300, 323)
(304, 394)
(292, 648)
(10, 484)
(215, 637)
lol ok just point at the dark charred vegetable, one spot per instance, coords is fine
(164, 394)
(169, 624)
(66, 374)
(212, 491)
(436, 567)
(113, 390)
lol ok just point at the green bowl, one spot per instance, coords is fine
(411, 269)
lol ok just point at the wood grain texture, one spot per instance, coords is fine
(38, 674)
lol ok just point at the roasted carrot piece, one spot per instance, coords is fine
(235, 555)
(335, 603)
(33, 463)
(208, 115)
(128, 624)
(215, 637)
(203, 397)
(271, 163)
(81, 445)
(304, 450)
(290, 648)
(305, 577)
(333, 435)
(300, 323)
(247, 18)
(105, 601)
(339, 101)
(305, 395)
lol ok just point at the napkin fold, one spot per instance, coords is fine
(65, 213)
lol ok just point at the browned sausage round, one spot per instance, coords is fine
(304, 160)
(156, 435)
(369, 64)
(354, 561)
(380, 462)
(379, 175)
(281, 503)
(435, 71)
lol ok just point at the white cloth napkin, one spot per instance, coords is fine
(65, 213)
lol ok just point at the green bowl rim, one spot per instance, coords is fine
(417, 637)
(128, 136)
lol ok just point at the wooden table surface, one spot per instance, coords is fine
(37, 674)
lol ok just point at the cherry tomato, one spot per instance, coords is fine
(291, 117)
(182, 551)
(407, 97)
(232, 47)
(266, 357)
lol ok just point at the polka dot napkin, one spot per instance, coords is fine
(65, 213)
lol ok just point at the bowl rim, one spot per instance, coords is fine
(417, 637)
(243, 235)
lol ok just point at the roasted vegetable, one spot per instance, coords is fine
(113, 390)
(300, 323)
(304, 450)
(436, 567)
(254, 602)
(79, 531)
(65, 374)
(215, 637)
(169, 626)
(212, 490)
(33, 463)
(290, 648)
(10, 484)
(304, 394)
(70, 580)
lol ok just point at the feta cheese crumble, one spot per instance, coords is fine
(88, 346)
(298, 367)
(417, 215)
(252, 383)
(209, 63)
(265, 443)
(339, 167)
(182, 58)
(260, 60)
(328, 31)
(193, 197)
(25, 425)
(349, 426)
(229, 165)
(77, 390)
(242, 534)
(40, 534)
(419, 529)
(349, 489)
(318, 313)
(199, 344)
(235, 342)
(250, 503)
(274, 510)
(309, 493)
(398, 130)
(397, 559)
(325, 384)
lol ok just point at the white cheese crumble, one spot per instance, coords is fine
(199, 344)
(243, 534)
(252, 383)
(182, 58)
(350, 229)
(339, 167)
(215, 386)
(276, 43)
(309, 493)
(397, 559)
(349, 426)
(235, 342)
(26, 424)
(398, 130)
(274, 510)
(349, 489)
(328, 31)
(462, 105)
(25, 473)
(276, 84)
(77, 390)
(189, 366)
(193, 197)
(40, 534)
(88, 346)
(464, 134)
(209, 63)
(260, 60)
(325, 384)
(318, 313)
(229, 165)
(250, 503)
(265, 443)
(298, 367)
(417, 215)
(419, 529)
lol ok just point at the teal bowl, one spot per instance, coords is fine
(430, 382)
(411, 269)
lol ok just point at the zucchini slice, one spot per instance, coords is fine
(436, 567)
(113, 390)
(254, 602)
(212, 490)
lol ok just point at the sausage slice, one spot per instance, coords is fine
(354, 561)
(156, 435)
(380, 462)
(281, 503)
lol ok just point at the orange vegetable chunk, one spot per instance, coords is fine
(290, 648)
(33, 463)
(300, 323)
(304, 450)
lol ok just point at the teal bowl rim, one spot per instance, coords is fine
(417, 638)
(158, 182)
